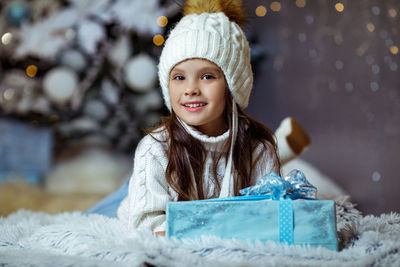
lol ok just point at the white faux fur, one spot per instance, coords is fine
(73, 239)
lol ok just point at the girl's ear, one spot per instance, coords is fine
(292, 140)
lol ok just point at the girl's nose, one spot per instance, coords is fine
(192, 91)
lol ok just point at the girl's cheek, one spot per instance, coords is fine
(174, 95)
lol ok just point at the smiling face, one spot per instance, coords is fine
(197, 92)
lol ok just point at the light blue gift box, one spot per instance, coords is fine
(256, 217)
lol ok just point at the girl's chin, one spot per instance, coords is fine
(192, 123)
(195, 123)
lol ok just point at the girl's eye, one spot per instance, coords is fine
(178, 77)
(208, 76)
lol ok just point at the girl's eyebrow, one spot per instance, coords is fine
(177, 70)
(207, 68)
(216, 69)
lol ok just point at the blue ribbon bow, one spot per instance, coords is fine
(293, 186)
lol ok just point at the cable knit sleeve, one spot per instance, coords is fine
(145, 205)
(265, 162)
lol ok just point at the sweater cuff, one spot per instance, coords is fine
(162, 227)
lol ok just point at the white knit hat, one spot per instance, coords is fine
(213, 37)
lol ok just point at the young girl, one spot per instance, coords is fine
(207, 147)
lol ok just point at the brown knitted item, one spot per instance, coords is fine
(298, 139)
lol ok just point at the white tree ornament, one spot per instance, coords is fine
(138, 15)
(121, 51)
(140, 73)
(59, 84)
(73, 59)
(90, 34)
(47, 37)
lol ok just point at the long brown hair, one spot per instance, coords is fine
(187, 154)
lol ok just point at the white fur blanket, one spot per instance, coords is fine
(73, 239)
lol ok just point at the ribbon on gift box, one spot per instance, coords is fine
(292, 186)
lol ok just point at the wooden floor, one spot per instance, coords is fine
(15, 196)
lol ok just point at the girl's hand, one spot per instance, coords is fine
(162, 233)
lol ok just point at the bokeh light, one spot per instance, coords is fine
(261, 11)
(162, 21)
(376, 10)
(339, 64)
(376, 176)
(339, 7)
(31, 70)
(374, 86)
(6, 38)
(54, 118)
(394, 49)
(9, 94)
(275, 6)
(392, 12)
(349, 86)
(370, 27)
(300, 3)
(310, 19)
(338, 39)
(158, 39)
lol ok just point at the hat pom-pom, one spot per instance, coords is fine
(233, 9)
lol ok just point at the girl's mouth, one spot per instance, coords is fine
(192, 107)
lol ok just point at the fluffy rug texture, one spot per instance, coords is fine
(74, 239)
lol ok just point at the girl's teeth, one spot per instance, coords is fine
(194, 105)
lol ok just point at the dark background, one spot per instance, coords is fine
(341, 82)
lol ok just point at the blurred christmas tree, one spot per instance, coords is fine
(85, 68)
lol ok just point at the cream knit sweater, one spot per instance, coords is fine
(145, 205)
